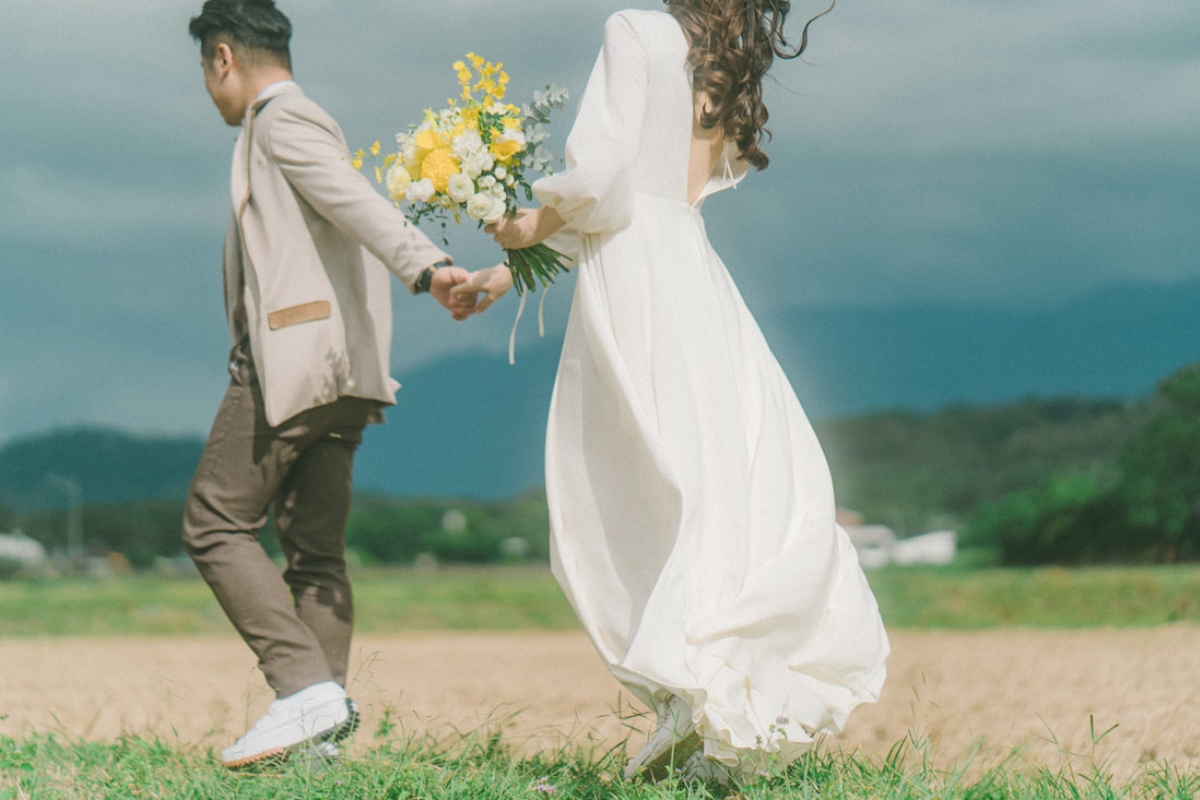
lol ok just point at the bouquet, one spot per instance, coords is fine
(474, 157)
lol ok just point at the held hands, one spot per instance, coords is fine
(443, 288)
(492, 283)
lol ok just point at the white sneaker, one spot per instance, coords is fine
(670, 745)
(326, 751)
(320, 713)
(318, 755)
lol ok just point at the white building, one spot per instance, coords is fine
(19, 553)
(878, 545)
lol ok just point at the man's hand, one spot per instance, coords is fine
(460, 304)
(492, 283)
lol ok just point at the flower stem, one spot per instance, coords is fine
(533, 265)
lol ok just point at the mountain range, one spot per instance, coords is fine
(472, 425)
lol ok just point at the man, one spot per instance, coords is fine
(309, 311)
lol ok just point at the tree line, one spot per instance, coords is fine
(1141, 506)
(381, 530)
(1066, 481)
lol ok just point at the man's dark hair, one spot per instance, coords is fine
(255, 27)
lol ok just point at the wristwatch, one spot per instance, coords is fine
(425, 279)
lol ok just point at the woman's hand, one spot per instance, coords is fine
(529, 227)
(493, 283)
(516, 232)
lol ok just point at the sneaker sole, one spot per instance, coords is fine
(278, 755)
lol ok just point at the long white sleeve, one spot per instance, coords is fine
(595, 191)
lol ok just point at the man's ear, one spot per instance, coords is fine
(223, 59)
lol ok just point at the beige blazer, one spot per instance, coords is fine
(305, 255)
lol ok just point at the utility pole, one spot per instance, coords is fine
(74, 518)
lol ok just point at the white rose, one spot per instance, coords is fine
(467, 144)
(500, 172)
(487, 182)
(485, 207)
(478, 163)
(420, 191)
(398, 180)
(460, 188)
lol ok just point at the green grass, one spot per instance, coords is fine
(46, 767)
(525, 598)
(1043, 597)
(386, 601)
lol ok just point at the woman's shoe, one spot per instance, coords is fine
(701, 769)
(670, 745)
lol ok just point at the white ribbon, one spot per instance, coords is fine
(512, 337)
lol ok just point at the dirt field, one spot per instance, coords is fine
(1037, 689)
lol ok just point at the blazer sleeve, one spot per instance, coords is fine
(314, 160)
(595, 191)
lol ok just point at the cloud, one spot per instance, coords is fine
(1021, 152)
(931, 76)
(41, 203)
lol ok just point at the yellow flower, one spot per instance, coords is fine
(439, 166)
(430, 140)
(398, 180)
(375, 149)
(504, 151)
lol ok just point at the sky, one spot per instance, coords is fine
(1018, 154)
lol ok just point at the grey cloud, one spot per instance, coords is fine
(1020, 152)
(934, 76)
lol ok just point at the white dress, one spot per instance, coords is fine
(691, 508)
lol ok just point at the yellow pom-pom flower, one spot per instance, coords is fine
(439, 167)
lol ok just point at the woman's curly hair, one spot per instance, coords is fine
(732, 44)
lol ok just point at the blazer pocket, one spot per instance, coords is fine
(305, 312)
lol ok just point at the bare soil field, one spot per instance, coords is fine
(973, 696)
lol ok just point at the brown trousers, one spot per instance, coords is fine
(299, 622)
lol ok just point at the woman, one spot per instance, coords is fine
(691, 508)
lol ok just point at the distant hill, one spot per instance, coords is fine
(914, 471)
(1115, 342)
(473, 426)
(111, 466)
(903, 468)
